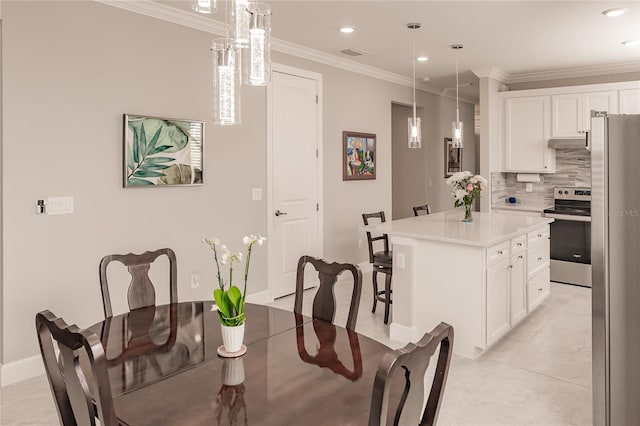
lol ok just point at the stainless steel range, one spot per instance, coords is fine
(571, 236)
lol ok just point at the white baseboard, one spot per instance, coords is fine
(20, 370)
(402, 333)
(260, 298)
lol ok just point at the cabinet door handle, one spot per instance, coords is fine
(519, 244)
(500, 253)
(539, 290)
(510, 266)
(520, 257)
(539, 259)
(539, 235)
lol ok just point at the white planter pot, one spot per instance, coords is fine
(232, 337)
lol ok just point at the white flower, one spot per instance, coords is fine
(261, 240)
(460, 194)
(480, 179)
(246, 240)
(474, 179)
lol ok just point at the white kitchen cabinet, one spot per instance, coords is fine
(538, 288)
(571, 112)
(497, 301)
(518, 288)
(630, 101)
(527, 128)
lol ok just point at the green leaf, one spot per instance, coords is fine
(155, 166)
(222, 300)
(131, 165)
(143, 172)
(135, 181)
(157, 160)
(136, 138)
(235, 296)
(153, 140)
(158, 149)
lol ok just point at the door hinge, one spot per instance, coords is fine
(317, 207)
(316, 152)
(316, 99)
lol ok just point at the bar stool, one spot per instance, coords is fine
(382, 262)
(426, 209)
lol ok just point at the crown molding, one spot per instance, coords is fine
(493, 73)
(181, 17)
(589, 71)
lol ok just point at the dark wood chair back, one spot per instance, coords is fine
(324, 304)
(370, 240)
(75, 390)
(412, 362)
(426, 209)
(141, 292)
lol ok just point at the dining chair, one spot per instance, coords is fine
(324, 303)
(141, 292)
(412, 362)
(425, 209)
(382, 262)
(80, 394)
(326, 355)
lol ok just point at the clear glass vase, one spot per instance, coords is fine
(468, 217)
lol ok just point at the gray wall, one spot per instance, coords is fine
(70, 70)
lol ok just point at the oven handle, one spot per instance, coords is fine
(568, 217)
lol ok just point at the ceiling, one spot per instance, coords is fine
(516, 37)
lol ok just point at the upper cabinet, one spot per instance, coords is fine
(526, 132)
(529, 118)
(571, 113)
(630, 101)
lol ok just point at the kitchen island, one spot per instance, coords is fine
(481, 277)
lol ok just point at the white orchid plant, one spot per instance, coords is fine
(229, 299)
(466, 187)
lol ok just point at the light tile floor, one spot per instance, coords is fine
(539, 374)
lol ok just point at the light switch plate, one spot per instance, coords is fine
(256, 194)
(400, 260)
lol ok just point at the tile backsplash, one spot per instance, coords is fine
(573, 168)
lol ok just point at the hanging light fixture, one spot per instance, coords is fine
(257, 69)
(457, 126)
(226, 82)
(239, 18)
(415, 122)
(203, 6)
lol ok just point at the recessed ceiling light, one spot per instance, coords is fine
(631, 43)
(612, 13)
(346, 30)
(425, 79)
(422, 58)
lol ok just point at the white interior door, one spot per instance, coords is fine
(295, 175)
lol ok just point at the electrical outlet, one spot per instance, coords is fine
(400, 260)
(195, 279)
(359, 244)
(256, 194)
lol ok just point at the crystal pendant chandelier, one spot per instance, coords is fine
(414, 130)
(239, 18)
(257, 70)
(203, 6)
(457, 126)
(226, 82)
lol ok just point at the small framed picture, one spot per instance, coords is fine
(359, 156)
(452, 158)
(162, 151)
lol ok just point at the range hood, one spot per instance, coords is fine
(568, 143)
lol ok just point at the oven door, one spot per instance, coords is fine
(571, 238)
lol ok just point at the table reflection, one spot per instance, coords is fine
(230, 407)
(327, 357)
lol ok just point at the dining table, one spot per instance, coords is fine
(164, 368)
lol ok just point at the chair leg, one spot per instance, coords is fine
(387, 297)
(375, 290)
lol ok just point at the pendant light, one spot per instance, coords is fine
(203, 6)
(257, 69)
(226, 82)
(240, 22)
(457, 126)
(414, 129)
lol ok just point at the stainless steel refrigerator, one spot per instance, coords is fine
(614, 141)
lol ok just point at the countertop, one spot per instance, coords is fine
(486, 229)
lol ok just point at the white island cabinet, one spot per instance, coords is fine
(481, 277)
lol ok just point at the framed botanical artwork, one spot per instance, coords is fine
(452, 158)
(359, 156)
(162, 151)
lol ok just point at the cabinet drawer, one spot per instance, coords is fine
(538, 289)
(537, 259)
(518, 244)
(498, 253)
(538, 236)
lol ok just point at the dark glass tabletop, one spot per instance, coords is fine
(164, 368)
